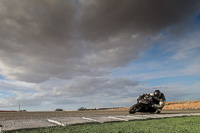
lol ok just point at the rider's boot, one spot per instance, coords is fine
(158, 111)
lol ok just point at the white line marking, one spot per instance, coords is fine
(134, 116)
(117, 118)
(90, 119)
(1, 130)
(56, 122)
(195, 114)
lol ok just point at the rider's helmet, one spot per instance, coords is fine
(157, 93)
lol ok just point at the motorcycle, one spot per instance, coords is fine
(144, 104)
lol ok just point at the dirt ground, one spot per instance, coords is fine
(183, 105)
(177, 105)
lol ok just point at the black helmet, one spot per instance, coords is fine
(157, 93)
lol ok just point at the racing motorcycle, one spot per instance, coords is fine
(144, 104)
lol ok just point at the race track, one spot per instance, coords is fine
(21, 120)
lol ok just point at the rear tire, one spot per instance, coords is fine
(133, 109)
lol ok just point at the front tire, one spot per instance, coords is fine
(133, 109)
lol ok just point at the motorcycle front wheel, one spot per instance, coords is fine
(133, 109)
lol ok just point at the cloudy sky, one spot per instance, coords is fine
(97, 53)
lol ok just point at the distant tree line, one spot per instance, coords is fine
(85, 109)
(58, 109)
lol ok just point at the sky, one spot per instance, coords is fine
(97, 54)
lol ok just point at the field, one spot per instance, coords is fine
(172, 125)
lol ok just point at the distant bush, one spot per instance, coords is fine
(58, 109)
(82, 109)
(23, 110)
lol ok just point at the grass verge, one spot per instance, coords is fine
(168, 125)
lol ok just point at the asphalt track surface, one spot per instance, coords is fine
(51, 114)
(10, 121)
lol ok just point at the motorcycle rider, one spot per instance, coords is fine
(158, 100)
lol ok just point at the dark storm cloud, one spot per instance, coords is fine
(36, 26)
(37, 38)
(46, 19)
(103, 18)
(50, 38)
